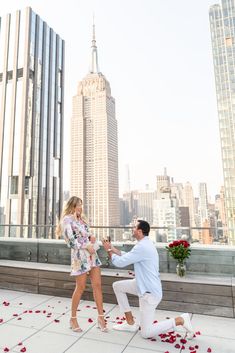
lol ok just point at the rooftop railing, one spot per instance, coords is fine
(201, 235)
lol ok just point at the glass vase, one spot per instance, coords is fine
(181, 269)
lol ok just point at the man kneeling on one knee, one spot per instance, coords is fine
(146, 285)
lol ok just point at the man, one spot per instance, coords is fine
(146, 285)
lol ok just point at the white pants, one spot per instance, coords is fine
(147, 303)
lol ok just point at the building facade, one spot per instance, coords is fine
(222, 27)
(94, 147)
(31, 123)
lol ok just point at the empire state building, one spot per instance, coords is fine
(94, 147)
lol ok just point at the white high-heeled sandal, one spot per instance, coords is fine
(72, 327)
(100, 325)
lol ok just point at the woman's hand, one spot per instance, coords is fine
(92, 239)
(90, 249)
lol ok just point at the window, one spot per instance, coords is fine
(14, 185)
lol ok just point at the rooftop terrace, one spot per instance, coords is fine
(39, 323)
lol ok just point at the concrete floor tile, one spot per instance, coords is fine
(214, 326)
(42, 342)
(95, 346)
(63, 326)
(11, 335)
(30, 300)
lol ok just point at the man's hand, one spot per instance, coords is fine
(106, 244)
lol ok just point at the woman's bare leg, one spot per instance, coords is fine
(79, 289)
(95, 276)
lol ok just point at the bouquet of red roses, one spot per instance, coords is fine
(179, 250)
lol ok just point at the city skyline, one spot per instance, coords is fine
(158, 70)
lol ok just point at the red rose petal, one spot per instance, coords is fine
(56, 320)
(37, 311)
(183, 341)
(15, 314)
(198, 333)
(90, 320)
(19, 318)
(6, 349)
(155, 321)
(1, 320)
(183, 347)
(153, 339)
(23, 349)
(191, 348)
(20, 344)
(177, 345)
(119, 322)
(209, 350)
(196, 346)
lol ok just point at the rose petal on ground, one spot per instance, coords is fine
(56, 320)
(90, 320)
(23, 349)
(177, 345)
(209, 350)
(6, 349)
(183, 341)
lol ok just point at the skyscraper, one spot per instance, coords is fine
(94, 147)
(31, 119)
(203, 203)
(222, 26)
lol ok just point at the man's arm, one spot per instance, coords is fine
(123, 260)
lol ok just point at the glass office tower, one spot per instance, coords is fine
(222, 24)
(31, 120)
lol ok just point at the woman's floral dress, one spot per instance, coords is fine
(76, 234)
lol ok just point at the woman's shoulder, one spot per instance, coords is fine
(68, 218)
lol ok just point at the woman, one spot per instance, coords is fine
(84, 259)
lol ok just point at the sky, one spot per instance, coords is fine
(157, 56)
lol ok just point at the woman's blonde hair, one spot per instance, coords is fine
(69, 208)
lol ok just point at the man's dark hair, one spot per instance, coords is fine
(144, 226)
